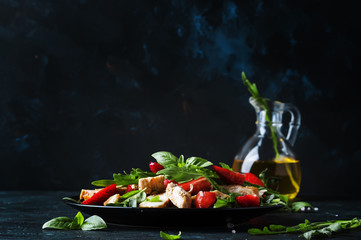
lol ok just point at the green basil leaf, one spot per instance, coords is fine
(169, 236)
(198, 162)
(65, 223)
(131, 202)
(62, 223)
(181, 161)
(77, 221)
(296, 206)
(93, 223)
(166, 159)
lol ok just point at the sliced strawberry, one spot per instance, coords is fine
(132, 187)
(251, 178)
(100, 197)
(167, 181)
(205, 199)
(228, 176)
(155, 167)
(248, 200)
(200, 184)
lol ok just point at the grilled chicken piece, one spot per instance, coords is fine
(178, 196)
(86, 194)
(220, 194)
(248, 190)
(163, 202)
(112, 199)
(153, 185)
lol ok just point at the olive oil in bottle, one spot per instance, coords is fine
(284, 174)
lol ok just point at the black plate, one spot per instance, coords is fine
(172, 217)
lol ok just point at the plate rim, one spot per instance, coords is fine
(68, 202)
(235, 216)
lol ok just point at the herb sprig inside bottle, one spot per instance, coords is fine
(262, 102)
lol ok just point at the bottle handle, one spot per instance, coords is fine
(294, 123)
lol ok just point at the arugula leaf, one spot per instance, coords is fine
(262, 102)
(124, 179)
(276, 228)
(309, 229)
(139, 173)
(267, 180)
(65, 223)
(226, 166)
(211, 176)
(169, 236)
(71, 200)
(271, 198)
(230, 202)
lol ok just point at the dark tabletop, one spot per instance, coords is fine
(22, 215)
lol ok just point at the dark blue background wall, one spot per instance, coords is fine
(88, 88)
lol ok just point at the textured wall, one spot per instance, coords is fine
(88, 88)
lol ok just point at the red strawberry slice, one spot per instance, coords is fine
(228, 176)
(199, 184)
(167, 181)
(155, 167)
(248, 200)
(100, 197)
(251, 178)
(132, 187)
(205, 199)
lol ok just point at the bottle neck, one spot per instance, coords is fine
(263, 127)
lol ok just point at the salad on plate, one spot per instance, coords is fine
(176, 182)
